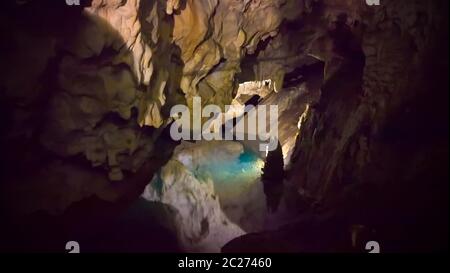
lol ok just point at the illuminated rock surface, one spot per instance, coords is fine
(204, 183)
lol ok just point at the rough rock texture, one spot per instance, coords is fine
(100, 78)
(91, 89)
(359, 108)
(215, 35)
(201, 224)
(373, 151)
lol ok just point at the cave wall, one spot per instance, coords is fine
(373, 150)
(374, 115)
(90, 87)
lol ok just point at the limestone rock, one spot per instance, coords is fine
(201, 224)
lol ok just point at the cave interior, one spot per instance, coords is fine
(86, 93)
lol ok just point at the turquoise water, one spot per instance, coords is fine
(247, 166)
(233, 176)
(228, 175)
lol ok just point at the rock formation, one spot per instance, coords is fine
(107, 69)
(201, 224)
(360, 155)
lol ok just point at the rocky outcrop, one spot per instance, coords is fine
(200, 222)
(370, 151)
(89, 94)
(214, 36)
(353, 124)
(103, 73)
